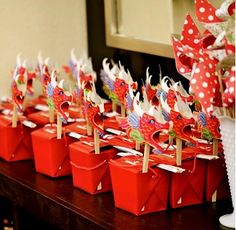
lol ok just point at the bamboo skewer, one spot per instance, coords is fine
(137, 145)
(51, 115)
(97, 150)
(179, 144)
(146, 158)
(178, 151)
(59, 126)
(215, 146)
(96, 141)
(24, 103)
(221, 93)
(14, 116)
(122, 107)
(89, 128)
(114, 106)
(171, 139)
(215, 153)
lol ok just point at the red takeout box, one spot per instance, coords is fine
(41, 118)
(75, 111)
(90, 171)
(16, 142)
(51, 155)
(217, 180)
(122, 141)
(78, 127)
(111, 122)
(187, 188)
(137, 192)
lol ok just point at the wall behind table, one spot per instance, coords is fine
(136, 62)
(52, 26)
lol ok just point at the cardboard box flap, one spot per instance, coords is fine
(48, 131)
(41, 117)
(133, 163)
(7, 120)
(86, 145)
(78, 127)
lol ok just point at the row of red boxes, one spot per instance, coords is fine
(134, 191)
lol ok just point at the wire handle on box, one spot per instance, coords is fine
(179, 143)
(146, 158)
(89, 168)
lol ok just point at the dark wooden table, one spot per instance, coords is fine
(56, 202)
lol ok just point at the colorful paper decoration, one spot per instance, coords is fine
(94, 109)
(19, 84)
(116, 82)
(59, 96)
(146, 121)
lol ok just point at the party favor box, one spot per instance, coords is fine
(137, 192)
(111, 122)
(51, 155)
(217, 186)
(78, 127)
(187, 181)
(187, 188)
(15, 142)
(90, 171)
(41, 118)
(75, 111)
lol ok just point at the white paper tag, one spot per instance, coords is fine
(41, 107)
(75, 135)
(89, 143)
(75, 109)
(132, 162)
(80, 119)
(29, 124)
(171, 168)
(52, 131)
(201, 141)
(70, 119)
(171, 147)
(128, 150)
(124, 154)
(111, 114)
(207, 157)
(7, 112)
(81, 127)
(115, 131)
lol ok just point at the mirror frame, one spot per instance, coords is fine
(114, 39)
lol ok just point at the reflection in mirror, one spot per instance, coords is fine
(146, 26)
